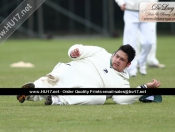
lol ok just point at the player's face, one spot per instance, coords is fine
(120, 61)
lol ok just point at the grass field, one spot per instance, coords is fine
(45, 54)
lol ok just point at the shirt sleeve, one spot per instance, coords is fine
(127, 85)
(85, 51)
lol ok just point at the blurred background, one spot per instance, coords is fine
(56, 18)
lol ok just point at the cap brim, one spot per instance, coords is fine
(157, 98)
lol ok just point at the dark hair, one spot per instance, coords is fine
(129, 50)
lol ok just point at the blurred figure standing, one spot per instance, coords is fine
(147, 36)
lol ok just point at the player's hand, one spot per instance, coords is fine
(153, 84)
(75, 53)
(122, 7)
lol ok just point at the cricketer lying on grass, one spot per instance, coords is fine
(92, 67)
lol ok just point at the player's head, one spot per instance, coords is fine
(122, 57)
(129, 50)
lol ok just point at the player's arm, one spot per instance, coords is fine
(154, 84)
(79, 51)
(121, 3)
(123, 99)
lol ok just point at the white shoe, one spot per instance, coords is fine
(142, 70)
(157, 66)
(132, 74)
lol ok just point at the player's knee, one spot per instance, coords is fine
(47, 81)
(52, 79)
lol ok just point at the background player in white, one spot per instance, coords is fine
(147, 36)
(92, 67)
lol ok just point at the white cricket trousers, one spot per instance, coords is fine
(151, 59)
(87, 99)
(94, 99)
(146, 37)
(72, 99)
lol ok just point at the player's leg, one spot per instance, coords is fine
(75, 100)
(48, 81)
(22, 98)
(55, 79)
(146, 39)
(152, 60)
(125, 99)
(130, 37)
(43, 82)
(152, 54)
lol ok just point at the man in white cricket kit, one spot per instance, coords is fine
(147, 36)
(92, 67)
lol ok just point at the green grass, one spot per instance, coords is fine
(35, 116)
